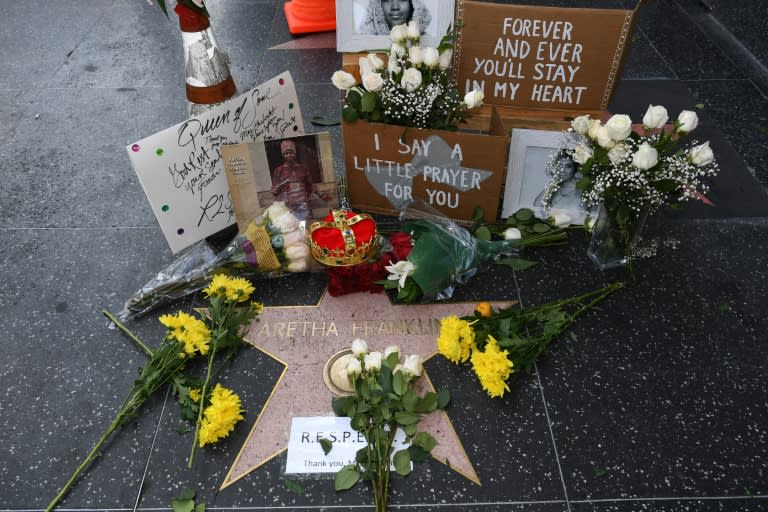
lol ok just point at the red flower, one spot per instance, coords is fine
(401, 245)
(356, 278)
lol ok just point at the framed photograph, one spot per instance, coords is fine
(528, 175)
(296, 170)
(363, 25)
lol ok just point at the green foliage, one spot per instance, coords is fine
(294, 486)
(346, 478)
(185, 502)
(324, 121)
(326, 445)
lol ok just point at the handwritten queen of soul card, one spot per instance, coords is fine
(181, 168)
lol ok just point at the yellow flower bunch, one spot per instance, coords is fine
(493, 368)
(189, 331)
(233, 289)
(457, 339)
(220, 416)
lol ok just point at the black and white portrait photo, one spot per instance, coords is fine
(363, 25)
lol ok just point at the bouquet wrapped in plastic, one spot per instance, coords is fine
(270, 245)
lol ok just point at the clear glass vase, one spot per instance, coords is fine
(612, 244)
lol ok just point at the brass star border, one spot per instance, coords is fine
(303, 338)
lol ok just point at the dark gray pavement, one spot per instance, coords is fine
(657, 402)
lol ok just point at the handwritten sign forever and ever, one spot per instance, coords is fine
(181, 168)
(551, 58)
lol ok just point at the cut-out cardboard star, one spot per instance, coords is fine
(303, 338)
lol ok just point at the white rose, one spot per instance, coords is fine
(359, 347)
(293, 237)
(431, 57)
(474, 99)
(582, 153)
(561, 219)
(372, 361)
(277, 209)
(512, 234)
(398, 34)
(411, 79)
(285, 223)
(373, 82)
(392, 349)
(655, 117)
(701, 155)
(365, 66)
(298, 266)
(688, 121)
(376, 61)
(415, 55)
(298, 251)
(581, 124)
(412, 365)
(354, 368)
(397, 50)
(594, 125)
(445, 59)
(645, 157)
(604, 138)
(343, 80)
(619, 127)
(618, 153)
(413, 31)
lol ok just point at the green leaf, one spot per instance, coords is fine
(524, 215)
(349, 114)
(339, 405)
(402, 462)
(418, 453)
(407, 418)
(368, 102)
(324, 121)
(326, 445)
(410, 430)
(399, 386)
(410, 399)
(385, 378)
(186, 493)
(699, 106)
(517, 263)
(483, 233)
(186, 505)
(477, 214)
(600, 472)
(346, 478)
(428, 403)
(293, 486)
(200, 507)
(424, 440)
(443, 398)
(540, 227)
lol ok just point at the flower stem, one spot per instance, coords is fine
(128, 333)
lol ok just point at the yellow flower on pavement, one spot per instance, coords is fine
(221, 416)
(493, 368)
(457, 339)
(189, 331)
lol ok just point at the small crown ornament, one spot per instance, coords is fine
(343, 238)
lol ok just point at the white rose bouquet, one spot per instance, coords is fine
(412, 88)
(271, 245)
(632, 170)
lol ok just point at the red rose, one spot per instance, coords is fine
(401, 245)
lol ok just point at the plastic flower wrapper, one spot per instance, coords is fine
(271, 245)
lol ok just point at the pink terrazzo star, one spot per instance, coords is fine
(303, 338)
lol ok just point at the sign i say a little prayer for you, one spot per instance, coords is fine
(181, 168)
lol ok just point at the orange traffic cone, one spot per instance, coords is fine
(208, 79)
(310, 16)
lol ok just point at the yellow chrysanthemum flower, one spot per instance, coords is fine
(492, 368)
(221, 416)
(191, 332)
(218, 286)
(456, 340)
(258, 307)
(194, 395)
(233, 289)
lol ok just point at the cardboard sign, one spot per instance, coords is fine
(306, 455)
(388, 166)
(553, 58)
(251, 170)
(180, 168)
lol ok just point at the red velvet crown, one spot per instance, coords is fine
(343, 238)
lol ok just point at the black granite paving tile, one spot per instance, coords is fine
(13, 104)
(63, 179)
(685, 48)
(673, 505)
(31, 57)
(133, 45)
(744, 123)
(644, 61)
(659, 393)
(67, 371)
